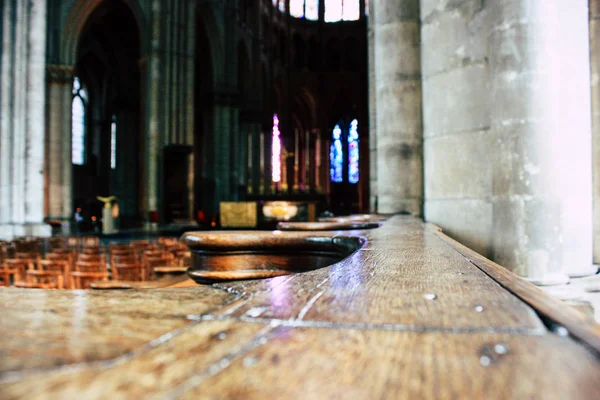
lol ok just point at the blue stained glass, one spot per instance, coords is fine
(336, 157)
(353, 153)
(297, 8)
(282, 5)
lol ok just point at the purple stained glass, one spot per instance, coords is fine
(276, 151)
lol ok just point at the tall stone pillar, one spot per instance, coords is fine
(58, 151)
(22, 116)
(397, 81)
(595, 69)
(372, 111)
(540, 87)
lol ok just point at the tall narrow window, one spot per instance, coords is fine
(351, 10)
(353, 152)
(333, 10)
(276, 151)
(113, 143)
(297, 8)
(336, 157)
(282, 5)
(78, 123)
(367, 8)
(312, 10)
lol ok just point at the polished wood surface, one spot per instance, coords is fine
(409, 315)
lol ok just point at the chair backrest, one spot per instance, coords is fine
(90, 266)
(93, 250)
(151, 262)
(45, 279)
(19, 265)
(58, 265)
(128, 272)
(8, 276)
(90, 241)
(92, 258)
(83, 280)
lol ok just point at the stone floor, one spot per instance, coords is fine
(581, 293)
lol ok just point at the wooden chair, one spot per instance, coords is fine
(20, 266)
(151, 262)
(90, 266)
(167, 241)
(42, 280)
(83, 280)
(128, 272)
(125, 258)
(92, 250)
(32, 258)
(8, 276)
(62, 266)
(87, 272)
(90, 241)
(99, 258)
(139, 243)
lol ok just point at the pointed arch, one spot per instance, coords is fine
(78, 18)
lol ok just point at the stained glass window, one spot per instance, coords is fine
(333, 10)
(282, 5)
(276, 151)
(297, 8)
(336, 157)
(78, 123)
(312, 10)
(353, 152)
(351, 10)
(367, 8)
(113, 143)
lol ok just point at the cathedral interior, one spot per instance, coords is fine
(364, 184)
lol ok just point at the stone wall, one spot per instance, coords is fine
(457, 140)
(507, 135)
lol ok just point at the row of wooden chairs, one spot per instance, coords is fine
(76, 265)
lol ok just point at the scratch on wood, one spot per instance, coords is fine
(260, 339)
(308, 305)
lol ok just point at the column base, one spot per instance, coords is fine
(592, 270)
(10, 231)
(550, 279)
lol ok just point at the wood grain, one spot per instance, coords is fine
(313, 363)
(576, 322)
(42, 329)
(409, 315)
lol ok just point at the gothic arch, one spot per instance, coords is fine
(213, 32)
(79, 16)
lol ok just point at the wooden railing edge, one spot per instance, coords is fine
(577, 324)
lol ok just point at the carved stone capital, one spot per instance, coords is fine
(59, 74)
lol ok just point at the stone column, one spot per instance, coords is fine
(58, 152)
(540, 86)
(22, 135)
(595, 69)
(397, 80)
(372, 111)
(6, 120)
(153, 134)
